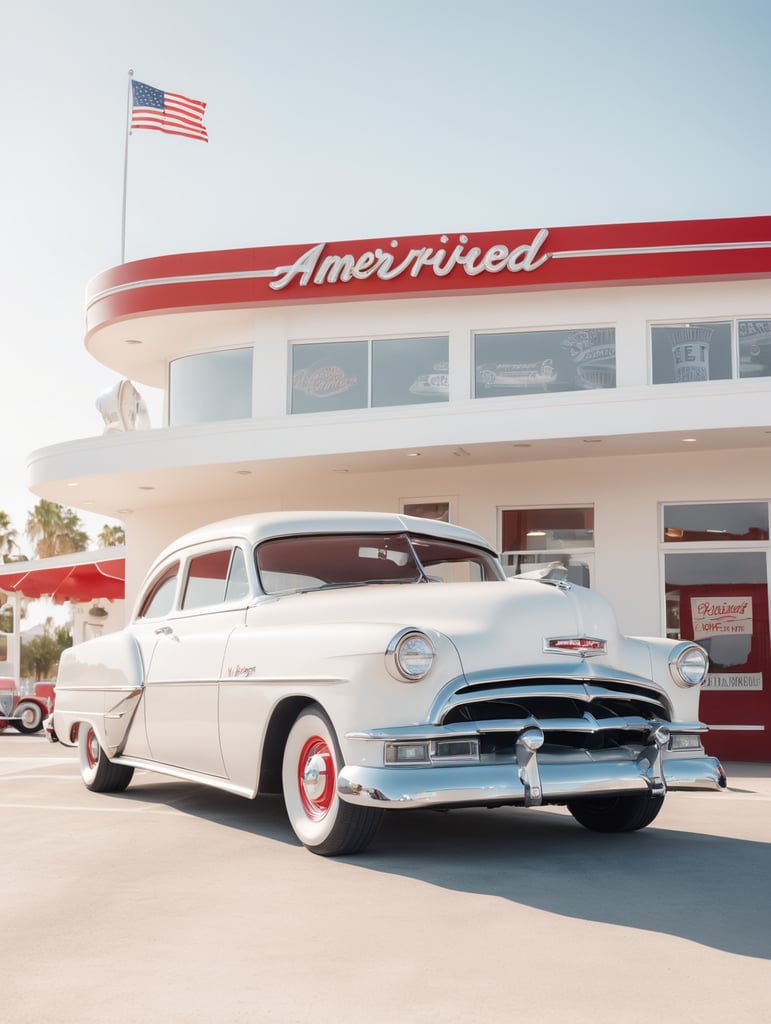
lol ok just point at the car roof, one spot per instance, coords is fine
(266, 525)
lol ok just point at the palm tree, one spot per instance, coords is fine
(111, 536)
(55, 530)
(7, 538)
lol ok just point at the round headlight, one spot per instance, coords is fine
(410, 655)
(688, 665)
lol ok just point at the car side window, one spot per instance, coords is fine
(160, 597)
(215, 578)
(238, 577)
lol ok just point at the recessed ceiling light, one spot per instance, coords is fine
(146, 487)
(592, 440)
(132, 341)
(688, 440)
(124, 511)
(413, 455)
(521, 444)
(73, 483)
(243, 472)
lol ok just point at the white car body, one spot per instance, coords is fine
(336, 656)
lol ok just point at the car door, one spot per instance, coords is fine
(183, 676)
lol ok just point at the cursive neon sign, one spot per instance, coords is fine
(313, 267)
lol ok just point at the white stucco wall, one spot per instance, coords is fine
(626, 494)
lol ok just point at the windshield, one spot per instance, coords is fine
(314, 562)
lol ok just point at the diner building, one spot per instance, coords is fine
(594, 396)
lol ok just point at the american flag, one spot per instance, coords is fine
(168, 112)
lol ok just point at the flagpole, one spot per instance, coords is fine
(125, 170)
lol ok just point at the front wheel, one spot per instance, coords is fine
(322, 822)
(99, 774)
(29, 716)
(620, 813)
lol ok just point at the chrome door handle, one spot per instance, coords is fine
(165, 630)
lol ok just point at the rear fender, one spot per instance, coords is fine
(100, 682)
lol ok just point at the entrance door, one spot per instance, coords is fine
(720, 600)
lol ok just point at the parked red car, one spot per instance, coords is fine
(25, 712)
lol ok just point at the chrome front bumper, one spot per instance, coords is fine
(553, 781)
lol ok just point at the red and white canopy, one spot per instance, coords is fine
(81, 576)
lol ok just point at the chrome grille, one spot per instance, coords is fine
(586, 715)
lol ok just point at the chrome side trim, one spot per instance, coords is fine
(184, 773)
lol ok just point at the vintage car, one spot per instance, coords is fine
(26, 712)
(359, 662)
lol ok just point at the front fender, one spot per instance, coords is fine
(99, 682)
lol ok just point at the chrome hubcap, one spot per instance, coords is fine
(314, 777)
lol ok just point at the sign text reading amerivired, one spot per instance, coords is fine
(313, 267)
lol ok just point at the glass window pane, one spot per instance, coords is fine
(330, 376)
(211, 387)
(159, 599)
(536, 361)
(683, 353)
(547, 529)
(410, 371)
(720, 600)
(533, 538)
(206, 579)
(238, 579)
(726, 521)
(428, 510)
(755, 348)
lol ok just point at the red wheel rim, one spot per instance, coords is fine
(92, 748)
(316, 777)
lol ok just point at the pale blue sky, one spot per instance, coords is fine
(345, 119)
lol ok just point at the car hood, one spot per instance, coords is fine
(491, 624)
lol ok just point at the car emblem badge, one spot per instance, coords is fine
(582, 646)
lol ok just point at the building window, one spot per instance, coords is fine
(720, 522)
(533, 538)
(719, 350)
(530, 362)
(329, 376)
(427, 508)
(210, 387)
(754, 348)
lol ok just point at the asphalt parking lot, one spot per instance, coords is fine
(173, 903)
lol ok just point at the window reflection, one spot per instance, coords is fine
(755, 348)
(719, 521)
(536, 538)
(410, 371)
(687, 353)
(329, 376)
(720, 599)
(530, 362)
